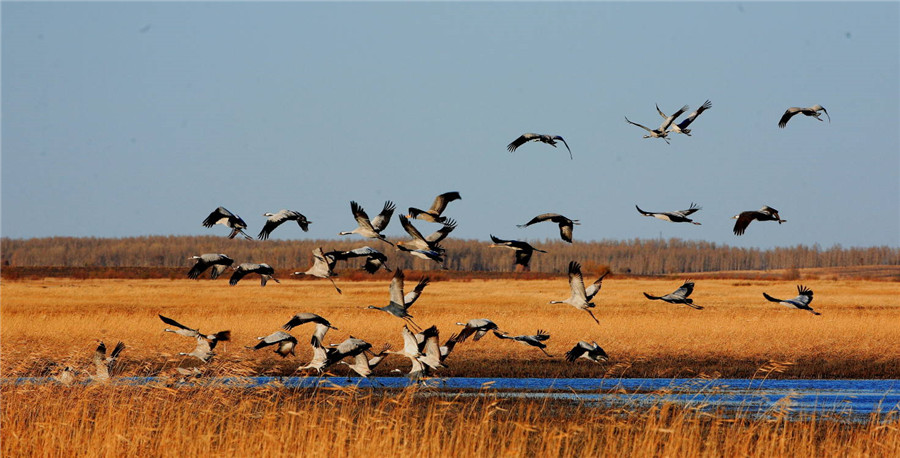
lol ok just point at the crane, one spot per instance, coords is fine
(801, 301)
(681, 127)
(523, 251)
(536, 340)
(323, 266)
(680, 216)
(679, 296)
(815, 111)
(529, 137)
(565, 224)
(398, 301)
(218, 261)
(590, 351)
(744, 219)
(371, 228)
(578, 298)
(228, 219)
(274, 220)
(265, 271)
(433, 214)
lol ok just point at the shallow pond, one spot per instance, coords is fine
(837, 398)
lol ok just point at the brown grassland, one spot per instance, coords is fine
(51, 322)
(57, 321)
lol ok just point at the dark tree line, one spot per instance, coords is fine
(640, 257)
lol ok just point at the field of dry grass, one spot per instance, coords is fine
(160, 421)
(52, 322)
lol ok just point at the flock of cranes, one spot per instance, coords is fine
(423, 348)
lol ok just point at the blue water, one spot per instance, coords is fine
(839, 398)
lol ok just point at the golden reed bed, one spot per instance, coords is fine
(160, 421)
(56, 321)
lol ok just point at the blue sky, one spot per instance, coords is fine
(126, 119)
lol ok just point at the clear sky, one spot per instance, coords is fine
(127, 119)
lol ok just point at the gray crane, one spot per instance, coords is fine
(323, 266)
(430, 348)
(763, 214)
(529, 137)
(374, 259)
(104, 365)
(400, 302)
(477, 326)
(183, 330)
(815, 111)
(284, 341)
(679, 296)
(433, 353)
(320, 356)
(578, 297)
(324, 357)
(265, 271)
(218, 261)
(411, 351)
(366, 362)
(429, 255)
(682, 127)
(66, 377)
(523, 251)
(205, 342)
(536, 340)
(589, 351)
(371, 228)
(274, 220)
(420, 242)
(433, 214)
(680, 216)
(228, 219)
(305, 317)
(801, 301)
(565, 224)
(322, 325)
(662, 132)
(591, 290)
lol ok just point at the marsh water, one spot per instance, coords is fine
(837, 398)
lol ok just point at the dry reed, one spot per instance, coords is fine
(161, 421)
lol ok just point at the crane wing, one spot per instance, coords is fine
(381, 221)
(442, 233)
(441, 201)
(524, 138)
(410, 229)
(396, 288)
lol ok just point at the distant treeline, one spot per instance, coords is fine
(638, 257)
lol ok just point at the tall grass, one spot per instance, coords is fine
(160, 421)
(56, 321)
